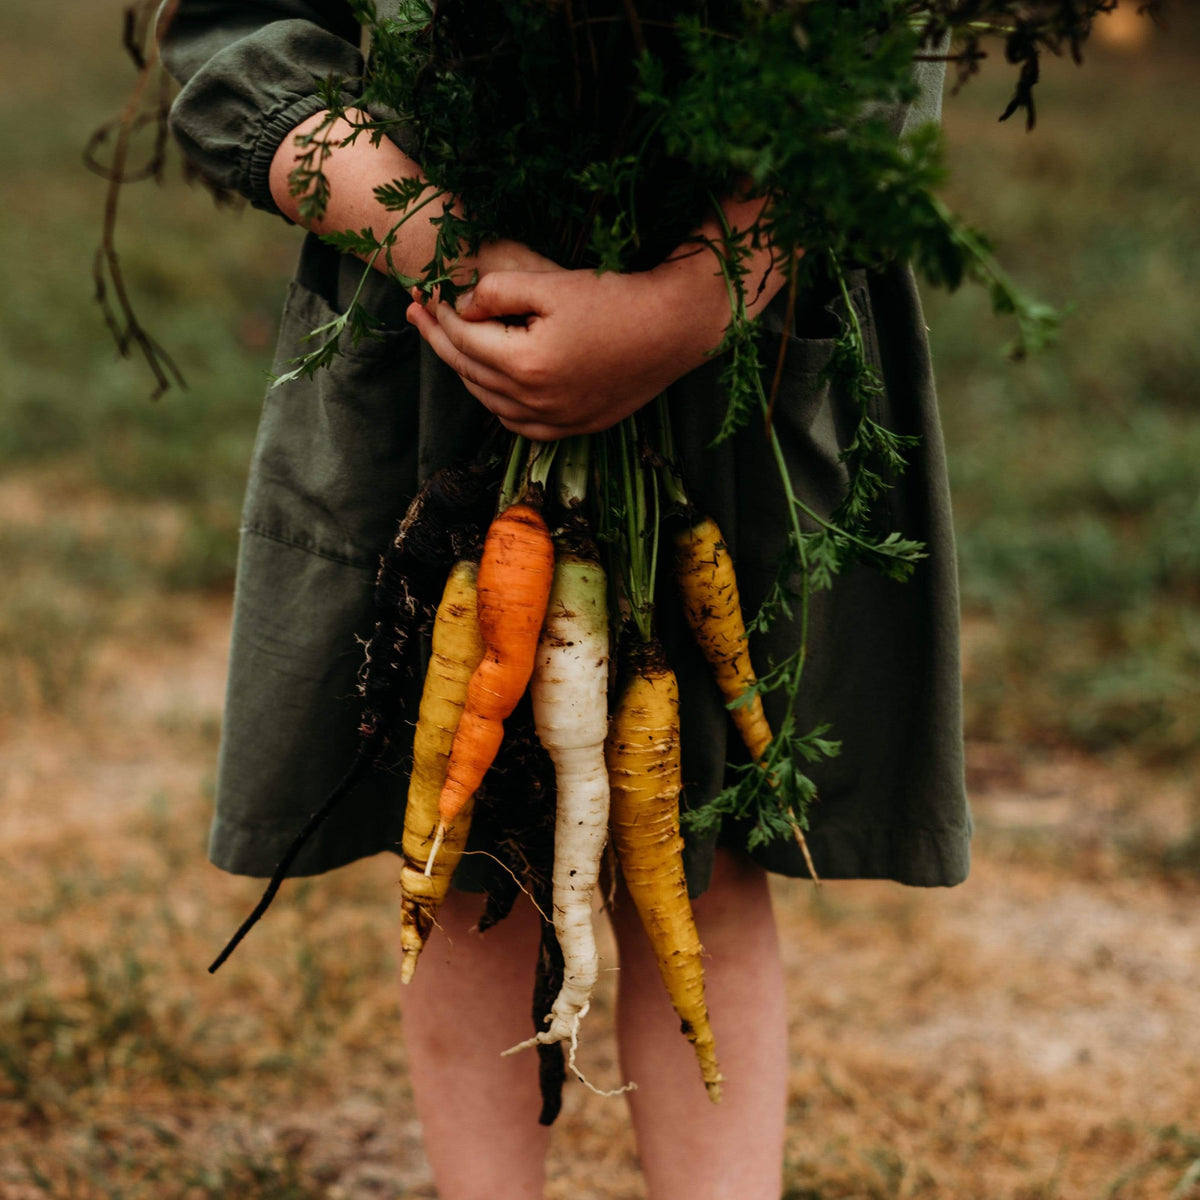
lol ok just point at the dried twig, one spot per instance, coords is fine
(110, 289)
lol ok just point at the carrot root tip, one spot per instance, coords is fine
(408, 965)
(587, 1083)
(802, 842)
(559, 1035)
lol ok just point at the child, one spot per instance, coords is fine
(335, 460)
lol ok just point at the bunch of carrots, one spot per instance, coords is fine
(536, 612)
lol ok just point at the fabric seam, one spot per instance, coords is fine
(280, 539)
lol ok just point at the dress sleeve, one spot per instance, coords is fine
(930, 78)
(250, 73)
(926, 109)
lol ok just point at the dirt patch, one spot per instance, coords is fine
(74, 772)
(1032, 1033)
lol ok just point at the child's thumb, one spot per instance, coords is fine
(500, 294)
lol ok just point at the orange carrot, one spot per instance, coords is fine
(515, 574)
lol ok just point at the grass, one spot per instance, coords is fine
(116, 1047)
(69, 1035)
(90, 1175)
(1073, 474)
(143, 497)
(1173, 1158)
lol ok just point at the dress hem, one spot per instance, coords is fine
(923, 857)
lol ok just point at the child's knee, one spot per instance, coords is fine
(737, 891)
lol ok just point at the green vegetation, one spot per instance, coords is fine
(1074, 473)
(110, 505)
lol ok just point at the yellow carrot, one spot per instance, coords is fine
(457, 650)
(642, 752)
(708, 585)
(704, 573)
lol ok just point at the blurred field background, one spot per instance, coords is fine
(1032, 1035)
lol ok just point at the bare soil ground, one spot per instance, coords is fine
(1034, 1033)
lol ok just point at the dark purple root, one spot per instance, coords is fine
(348, 783)
(514, 818)
(552, 1065)
(445, 522)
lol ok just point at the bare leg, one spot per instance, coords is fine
(691, 1149)
(469, 1000)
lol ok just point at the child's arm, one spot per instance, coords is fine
(592, 348)
(596, 346)
(353, 171)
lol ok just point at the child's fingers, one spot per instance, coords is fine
(466, 366)
(504, 407)
(493, 344)
(517, 417)
(487, 386)
(507, 294)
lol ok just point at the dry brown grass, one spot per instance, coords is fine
(1030, 1034)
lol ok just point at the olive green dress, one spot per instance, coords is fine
(337, 458)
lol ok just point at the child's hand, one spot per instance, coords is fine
(575, 351)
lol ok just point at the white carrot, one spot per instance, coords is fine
(569, 690)
(570, 709)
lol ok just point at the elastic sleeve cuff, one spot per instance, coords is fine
(276, 125)
(247, 94)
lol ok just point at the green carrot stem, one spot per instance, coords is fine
(670, 475)
(789, 318)
(512, 473)
(573, 463)
(638, 583)
(798, 541)
(650, 480)
(541, 459)
(406, 281)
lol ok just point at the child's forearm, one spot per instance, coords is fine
(693, 287)
(689, 281)
(353, 172)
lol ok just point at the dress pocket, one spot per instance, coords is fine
(336, 454)
(809, 421)
(815, 413)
